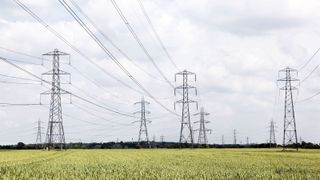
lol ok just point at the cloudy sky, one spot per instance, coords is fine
(235, 47)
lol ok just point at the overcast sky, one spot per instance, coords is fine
(235, 47)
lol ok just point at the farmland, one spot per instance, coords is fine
(160, 164)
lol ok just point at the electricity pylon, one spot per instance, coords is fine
(234, 137)
(162, 139)
(186, 133)
(222, 140)
(143, 132)
(272, 139)
(55, 133)
(289, 130)
(202, 137)
(39, 135)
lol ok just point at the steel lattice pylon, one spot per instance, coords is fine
(39, 135)
(55, 132)
(143, 132)
(234, 137)
(186, 133)
(202, 137)
(289, 131)
(272, 139)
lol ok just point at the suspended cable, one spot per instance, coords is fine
(25, 83)
(110, 41)
(314, 54)
(156, 34)
(135, 36)
(314, 69)
(309, 98)
(24, 54)
(55, 33)
(93, 36)
(21, 104)
(77, 96)
(21, 78)
(76, 69)
(95, 115)
(97, 84)
(24, 62)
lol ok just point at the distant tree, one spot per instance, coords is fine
(21, 145)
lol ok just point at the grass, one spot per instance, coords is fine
(160, 164)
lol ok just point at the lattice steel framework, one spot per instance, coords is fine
(289, 130)
(202, 137)
(55, 133)
(186, 133)
(39, 134)
(143, 131)
(234, 137)
(272, 138)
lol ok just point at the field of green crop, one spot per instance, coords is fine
(160, 164)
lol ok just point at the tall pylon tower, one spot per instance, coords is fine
(186, 132)
(202, 137)
(55, 133)
(143, 132)
(272, 138)
(289, 76)
(39, 134)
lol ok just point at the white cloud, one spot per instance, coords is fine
(235, 47)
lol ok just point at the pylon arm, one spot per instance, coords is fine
(56, 53)
(146, 102)
(292, 88)
(147, 112)
(288, 79)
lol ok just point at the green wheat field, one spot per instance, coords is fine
(160, 164)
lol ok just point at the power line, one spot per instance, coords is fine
(314, 69)
(97, 84)
(15, 77)
(156, 34)
(110, 41)
(73, 85)
(76, 69)
(24, 83)
(77, 96)
(135, 36)
(112, 57)
(23, 62)
(309, 98)
(55, 33)
(24, 54)
(19, 104)
(314, 54)
(99, 117)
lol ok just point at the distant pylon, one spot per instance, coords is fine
(234, 137)
(143, 132)
(289, 130)
(247, 140)
(55, 132)
(222, 140)
(39, 135)
(272, 139)
(186, 133)
(202, 137)
(162, 138)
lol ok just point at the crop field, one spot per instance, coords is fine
(160, 164)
